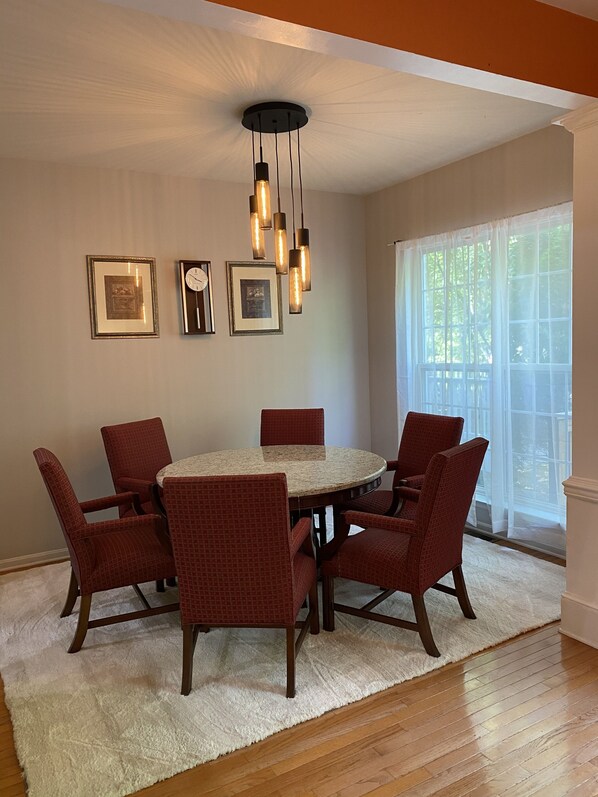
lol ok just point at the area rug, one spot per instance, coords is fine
(109, 720)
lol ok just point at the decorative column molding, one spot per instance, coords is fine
(579, 604)
(584, 489)
(580, 119)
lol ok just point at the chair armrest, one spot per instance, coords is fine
(408, 493)
(370, 520)
(110, 501)
(134, 485)
(300, 532)
(417, 482)
(119, 526)
(402, 493)
(86, 534)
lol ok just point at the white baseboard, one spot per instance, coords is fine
(43, 558)
(579, 620)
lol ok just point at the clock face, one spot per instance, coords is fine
(196, 279)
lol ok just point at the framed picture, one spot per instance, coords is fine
(196, 296)
(123, 302)
(254, 302)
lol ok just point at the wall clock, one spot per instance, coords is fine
(196, 297)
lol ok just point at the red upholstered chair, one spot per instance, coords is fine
(411, 555)
(298, 427)
(238, 561)
(423, 436)
(107, 554)
(136, 451)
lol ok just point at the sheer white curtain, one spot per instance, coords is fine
(484, 331)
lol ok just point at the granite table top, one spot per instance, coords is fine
(310, 470)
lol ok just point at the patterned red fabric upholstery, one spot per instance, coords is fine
(423, 436)
(109, 553)
(136, 451)
(301, 427)
(232, 545)
(412, 555)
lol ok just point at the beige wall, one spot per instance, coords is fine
(59, 386)
(528, 173)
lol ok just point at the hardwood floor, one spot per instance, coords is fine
(515, 720)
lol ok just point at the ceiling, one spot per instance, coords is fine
(92, 83)
(583, 8)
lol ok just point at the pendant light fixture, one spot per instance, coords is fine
(258, 244)
(274, 118)
(303, 232)
(257, 234)
(262, 186)
(295, 287)
(281, 254)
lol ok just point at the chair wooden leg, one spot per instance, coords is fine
(160, 585)
(78, 639)
(328, 602)
(314, 615)
(322, 530)
(291, 661)
(71, 597)
(189, 639)
(462, 595)
(423, 625)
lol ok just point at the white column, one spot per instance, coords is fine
(580, 600)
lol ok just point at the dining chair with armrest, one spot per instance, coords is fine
(107, 554)
(424, 435)
(136, 451)
(238, 561)
(410, 555)
(296, 427)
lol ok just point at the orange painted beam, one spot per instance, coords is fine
(522, 39)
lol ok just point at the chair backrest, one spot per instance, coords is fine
(136, 450)
(442, 509)
(61, 492)
(231, 542)
(299, 427)
(423, 436)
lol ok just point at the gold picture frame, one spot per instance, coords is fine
(254, 300)
(123, 300)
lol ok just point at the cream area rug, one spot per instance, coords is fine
(109, 720)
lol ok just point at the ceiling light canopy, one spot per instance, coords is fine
(272, 118)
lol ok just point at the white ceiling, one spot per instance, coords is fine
(93, 83)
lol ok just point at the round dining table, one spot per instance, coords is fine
(317, 476)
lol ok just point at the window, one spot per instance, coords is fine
(484, 331)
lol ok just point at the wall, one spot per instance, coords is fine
(59, 386)
(528, 173)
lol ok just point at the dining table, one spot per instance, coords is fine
(317, 476)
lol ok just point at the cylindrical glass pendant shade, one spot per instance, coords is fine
(262, 192)
(257, 234)
(281, 253)
(305, 257)
(295, 292)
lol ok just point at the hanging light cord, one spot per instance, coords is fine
(300, 176)
(253, 149)
(292, 190)
(277, 171)
(259, 116)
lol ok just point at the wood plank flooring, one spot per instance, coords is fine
(517, 720)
